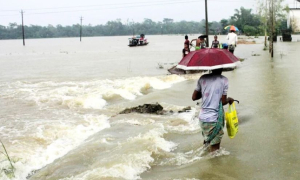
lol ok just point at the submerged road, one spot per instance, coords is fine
(57, 112)
(267, 145)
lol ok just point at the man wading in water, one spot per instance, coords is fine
(187, 41)
(212, 88)
(200, 43)
(232, 40)
(186, 48)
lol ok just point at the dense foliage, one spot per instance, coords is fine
(244, 19)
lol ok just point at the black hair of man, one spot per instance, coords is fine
(201, 37)
(231, 30)
(186, 37)
(217, 71)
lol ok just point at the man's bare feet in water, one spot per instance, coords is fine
(212, 148)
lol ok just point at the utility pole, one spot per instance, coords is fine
(272, 28)
(80, 27)
(132, 28)
(265, 14)
(207, 44)
(23, 28)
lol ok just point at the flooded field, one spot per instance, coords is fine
(59, 98)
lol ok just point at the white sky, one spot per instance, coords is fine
(42, 12)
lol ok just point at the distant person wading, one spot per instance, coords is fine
(187, 41)
(200, 43)
(186, 49)
(215, 43)
(232, 41)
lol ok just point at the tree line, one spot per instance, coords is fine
(248, 23)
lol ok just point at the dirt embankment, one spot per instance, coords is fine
(243, 41)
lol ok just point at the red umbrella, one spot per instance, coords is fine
(208, 59)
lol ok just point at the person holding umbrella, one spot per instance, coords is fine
(232, 39)
(212, 88)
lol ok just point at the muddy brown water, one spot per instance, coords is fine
(58, 96)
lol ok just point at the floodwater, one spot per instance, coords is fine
(59, 98)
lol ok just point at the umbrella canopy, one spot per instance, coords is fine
(234, 28)
(208, 59)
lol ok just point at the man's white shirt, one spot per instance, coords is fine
(232, 38)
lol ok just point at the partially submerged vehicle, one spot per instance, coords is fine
(138, 41)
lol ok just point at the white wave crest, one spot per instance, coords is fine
(131, 158)
(88, 94)
(132, 165)
(140, 122)
(54, 141)
(190, 126)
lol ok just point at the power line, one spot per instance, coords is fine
(157, 4)
(97, 5)
(124, 7)
(130, 3)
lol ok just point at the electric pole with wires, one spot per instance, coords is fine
(23, 32)
(271, 27)
(206, 22)
(81, 27)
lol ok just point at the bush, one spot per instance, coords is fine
(250, 30)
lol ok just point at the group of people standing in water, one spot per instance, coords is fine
(200, 43)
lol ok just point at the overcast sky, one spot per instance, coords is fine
(68, 12)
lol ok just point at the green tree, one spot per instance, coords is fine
(250, 30)
(280, 13)
(244, 17)
(224, 23)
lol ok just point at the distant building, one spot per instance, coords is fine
(293, 20)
